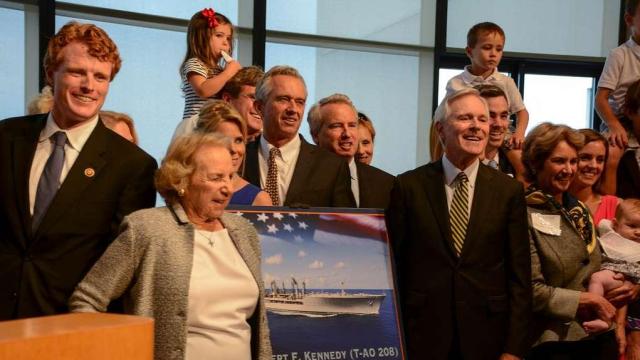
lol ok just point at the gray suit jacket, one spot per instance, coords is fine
(149, 264)
(561, 268)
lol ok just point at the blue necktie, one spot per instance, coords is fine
(49, 180)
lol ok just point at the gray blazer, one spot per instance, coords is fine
(560, 271)
(149, 264)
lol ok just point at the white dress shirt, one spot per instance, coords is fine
(496, 158)
(355, 188)
(223, 295)
(450, 174)
(286, 164)
(76, 138)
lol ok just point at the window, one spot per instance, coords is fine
(443, 77)
(12, 60)
(559, 99)
(387, 97)
(573, 27)
(170, 8)
(402, 21)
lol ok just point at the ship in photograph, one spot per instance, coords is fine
(303, 302)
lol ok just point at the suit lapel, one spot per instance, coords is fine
(251, 163)
(434, 183)
(303, 168)
(76, 181)
(24, 148)
(480, 206)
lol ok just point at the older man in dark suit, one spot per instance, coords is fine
(459, 232)
(292, 171)
(66, 180)
(333, 122)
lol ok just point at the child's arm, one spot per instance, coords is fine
(205, 88)
(522, 122)
(609, 181)
(617, 133)
(621, 323)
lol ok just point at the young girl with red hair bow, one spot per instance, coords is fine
(209, 40)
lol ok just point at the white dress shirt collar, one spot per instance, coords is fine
(469, 78)
(76, 136)
(289, 151)
(635, 47)
(355, 186)
(451, 171)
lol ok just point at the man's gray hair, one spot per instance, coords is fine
(264, 87)
(314, 117)
(444, 111)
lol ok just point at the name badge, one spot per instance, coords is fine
(548, 224)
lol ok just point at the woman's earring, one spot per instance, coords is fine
(181, 192)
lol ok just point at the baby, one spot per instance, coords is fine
(621, 243)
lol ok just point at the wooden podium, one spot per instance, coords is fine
(95, 336)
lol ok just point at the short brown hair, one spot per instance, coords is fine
(482, 28)
(264, 87)
(541, 141)
(627, 206)
(215, 112)
(491, 91)
(363, 120)
(111, 118)
(99, 45)
(178, 165)
(247, 76)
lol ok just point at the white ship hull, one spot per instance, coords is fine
(327, 304)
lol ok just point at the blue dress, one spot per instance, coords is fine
(245, 196)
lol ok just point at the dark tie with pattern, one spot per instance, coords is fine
(271, 186)
(459, 212)
(50, 179)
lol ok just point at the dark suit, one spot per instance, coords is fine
(374, 186)
(505, 165)
(628, 177)
(320, 178)
(476, 306)
(38, 272)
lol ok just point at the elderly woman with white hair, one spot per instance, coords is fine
(190, 266)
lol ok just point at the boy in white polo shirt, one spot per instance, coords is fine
(621, 69)
(485, 42)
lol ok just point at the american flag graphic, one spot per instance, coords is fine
(326, 228)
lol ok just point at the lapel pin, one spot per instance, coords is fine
(89, 172)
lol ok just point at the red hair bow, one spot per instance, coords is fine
(211, 17)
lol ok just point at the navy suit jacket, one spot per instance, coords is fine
(374, 186)
(39, 271)
(480, 303)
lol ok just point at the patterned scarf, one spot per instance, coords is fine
(571, 208)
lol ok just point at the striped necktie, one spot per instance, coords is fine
(271, 185)
(459, 212)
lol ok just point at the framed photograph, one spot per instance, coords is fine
(329, 285)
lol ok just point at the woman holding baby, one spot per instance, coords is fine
(564, 254)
